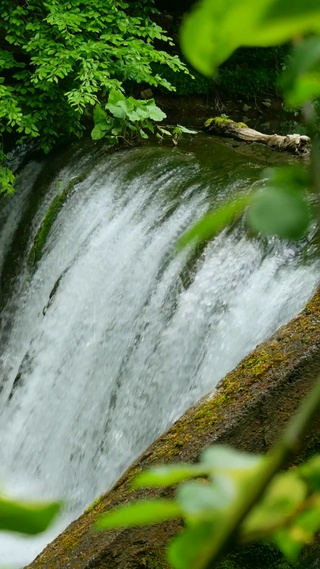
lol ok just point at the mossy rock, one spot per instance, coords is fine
(219, 121)
(248, 410)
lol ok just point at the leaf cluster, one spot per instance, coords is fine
(288, 513)
(59, 58)
(128, 118)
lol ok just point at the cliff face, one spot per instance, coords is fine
(248, 411)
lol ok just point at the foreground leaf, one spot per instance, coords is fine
(301, 80)
(140, 513)
(280, 211)
(190, 547)
(215, 28)
(200, 501)
(310, 471)
(212, 223)
(167, 475)
(221, 457)
(26, 518)
(284, 495)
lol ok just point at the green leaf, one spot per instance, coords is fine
(309, 519)
(142, 133)
(167, 475)
(192, 546)
(306, 88)
(200, 36)
(134, 116)
(155, 113)
(310, 471)
(97, 132)
(116, 111)
(284, 212)
(215, 28)
(140, 513)
(200, 501)
(301, 80)
(99, 115)
(164, 131)
(212, 223)
(115, 96)
(183, 129)
(284, 495)
(283, 20)
(225, 458)
(26, 518)
(290, 542)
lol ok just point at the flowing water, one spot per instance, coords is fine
(111, 336)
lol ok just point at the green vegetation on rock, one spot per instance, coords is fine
(59, 59)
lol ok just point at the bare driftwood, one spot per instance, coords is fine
(294, 143)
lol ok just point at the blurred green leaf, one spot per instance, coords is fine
(290, 542)
(280, 211)
(140, 513)
(215, 28)
(225, 458)
(306, 88)
(309, 519)
(310, 471)
(26, 518)
(282, 20)
(301, 80)
(285, 493)
(294, 176)
(189, 548)
(200, 501)
(167, 475)
(212, 223)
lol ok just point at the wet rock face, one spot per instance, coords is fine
(248, 410)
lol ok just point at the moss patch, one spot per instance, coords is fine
(48, 221)
(44, 229)
(221, 121)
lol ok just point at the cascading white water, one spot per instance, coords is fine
(115, 335)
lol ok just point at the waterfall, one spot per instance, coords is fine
(112, 335)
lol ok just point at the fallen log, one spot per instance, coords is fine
(295, 143)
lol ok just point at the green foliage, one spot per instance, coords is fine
(125, 118)
(288, 514)
(128, 118)
(283, 208)
(144, 512)
(212, 223)
(214, 30)
(58, 60)
(301, 80)
(26, 518)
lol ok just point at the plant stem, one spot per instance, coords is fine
(276, 459)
